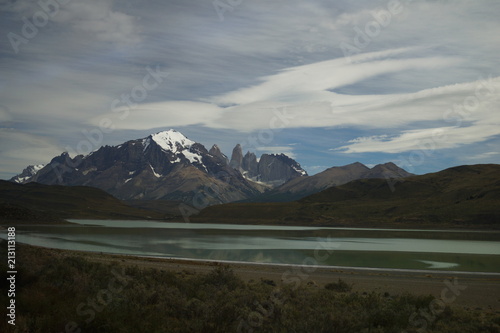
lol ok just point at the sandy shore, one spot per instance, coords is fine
(469, 290)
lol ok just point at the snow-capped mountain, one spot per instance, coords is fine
(164, 165)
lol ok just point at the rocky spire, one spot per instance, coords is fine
(236, 157)
(250, 165)
(216, 152)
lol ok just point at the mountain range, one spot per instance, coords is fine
(466, 196)
(460, 197)
(169, 166)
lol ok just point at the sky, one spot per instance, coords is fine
(328, 83)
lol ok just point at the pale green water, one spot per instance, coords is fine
(379, 248)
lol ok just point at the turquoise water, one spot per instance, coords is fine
(377, 248)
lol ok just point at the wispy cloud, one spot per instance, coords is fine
(305, 92)
(233, 76)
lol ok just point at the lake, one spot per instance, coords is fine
(472, 251)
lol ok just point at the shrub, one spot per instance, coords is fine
(340, 286)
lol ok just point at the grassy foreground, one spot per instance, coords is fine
(64, 292)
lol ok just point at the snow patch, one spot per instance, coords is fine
(194, 158)
(38, 167)
(157, 175)
(21, 180)
(145, 143)
(299, 170)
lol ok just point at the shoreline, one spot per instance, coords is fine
(271, 264)
(448, 227)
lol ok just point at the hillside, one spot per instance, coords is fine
(35, 202)
(298, 188)
(464, 196)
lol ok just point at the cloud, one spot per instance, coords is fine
(297, 83)
(97, 19)
(23, 149)
(287, 150)
(488, 156)
(302, 97)
(422, 139)
(470, 107)
(164, 114)
(5, 115)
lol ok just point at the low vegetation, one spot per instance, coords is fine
(340, 286)
(64, 292)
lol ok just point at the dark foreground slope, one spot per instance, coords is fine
(35, 202)
(464, 196)
(64, 291)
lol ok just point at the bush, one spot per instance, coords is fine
(340, 286)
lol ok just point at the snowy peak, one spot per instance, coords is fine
(171, 140)
(27, 174)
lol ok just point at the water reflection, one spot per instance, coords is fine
(440, 250)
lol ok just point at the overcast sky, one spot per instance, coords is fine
(325, 82)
